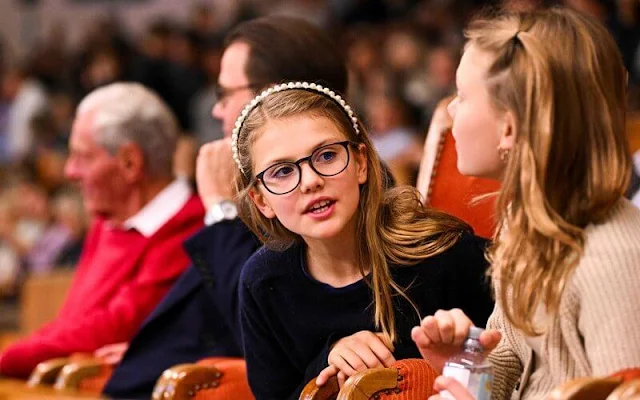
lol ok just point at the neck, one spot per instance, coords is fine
(333, 261)
(138, 197)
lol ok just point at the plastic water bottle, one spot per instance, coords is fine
(471, 368)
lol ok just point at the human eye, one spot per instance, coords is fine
(280, 171)
(326, 155)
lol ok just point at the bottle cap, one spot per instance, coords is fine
(474, 332)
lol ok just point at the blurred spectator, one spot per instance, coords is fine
(396, 142)
(205, 127)
(68, 212)
(28, 204)
(9, 258)
(55, 236)
(184, 77)
(103, 67)
(26, 98)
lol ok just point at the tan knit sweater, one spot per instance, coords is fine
(597, 329)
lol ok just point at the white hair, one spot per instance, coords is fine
(129, 112)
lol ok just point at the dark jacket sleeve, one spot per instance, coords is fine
(218, 253)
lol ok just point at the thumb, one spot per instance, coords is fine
(489, 339)
(325, 374)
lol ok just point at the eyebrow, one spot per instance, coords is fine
(316, 147)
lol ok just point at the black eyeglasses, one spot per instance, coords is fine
(328, 160)
(222, 92)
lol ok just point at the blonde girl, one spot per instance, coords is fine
(541, 105)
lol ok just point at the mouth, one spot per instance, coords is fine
(320, 206)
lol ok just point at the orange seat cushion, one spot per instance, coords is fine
(233, 383)
(415, 381)
(454, 193)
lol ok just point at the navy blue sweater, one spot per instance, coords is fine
(289, 320)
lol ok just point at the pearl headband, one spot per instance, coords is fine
(280, 88)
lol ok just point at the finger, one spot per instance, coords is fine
(354, 361)
(367, 354)
(489, 339)
(446, 326)
(326, 374)
(430, 327)
(454, 387)
(112, 359)
(420, 337)
(462, 325)
(381, 352)
(339, 360)
(341, 379)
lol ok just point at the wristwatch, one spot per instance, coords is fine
(224, 210)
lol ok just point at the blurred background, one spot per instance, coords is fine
(402, 55)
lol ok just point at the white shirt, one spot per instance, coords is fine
(160, 209)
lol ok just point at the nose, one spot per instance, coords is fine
(218, 110)
(310, 180)
(71, 170)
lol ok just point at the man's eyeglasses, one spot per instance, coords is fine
(328, 160)
(223, 93)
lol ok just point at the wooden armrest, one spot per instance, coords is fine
(587, 388)
(363, 385)
(74, 372)
(46, 372)
(328, 391)
(185, 380)
(629, 390)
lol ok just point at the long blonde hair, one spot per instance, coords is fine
(396, 227)
(560, 73)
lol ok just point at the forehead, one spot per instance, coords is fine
(291, 138)
(82, 132)
(233, 65)
(473, 67)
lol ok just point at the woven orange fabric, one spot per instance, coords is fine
(416, 379)
(453, 192)
(233, 383)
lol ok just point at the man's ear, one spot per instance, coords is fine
(360, 157)
(131, 160)
(507, 134)
(261, 203)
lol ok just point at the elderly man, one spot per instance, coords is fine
(199, 318)
(121, 152)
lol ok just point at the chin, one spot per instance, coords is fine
(329, 231)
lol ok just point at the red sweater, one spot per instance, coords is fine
(120, 279)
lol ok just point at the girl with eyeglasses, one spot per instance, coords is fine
(349, 266)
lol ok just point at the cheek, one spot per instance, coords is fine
(476, 140)
(285, 207)
(104, 179)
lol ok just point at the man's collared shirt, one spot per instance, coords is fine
(160, 209)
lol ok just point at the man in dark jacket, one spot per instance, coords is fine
(199, 316)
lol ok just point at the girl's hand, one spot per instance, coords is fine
(112, 354)
(355, 353)
(454, 388)
(442, 335)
